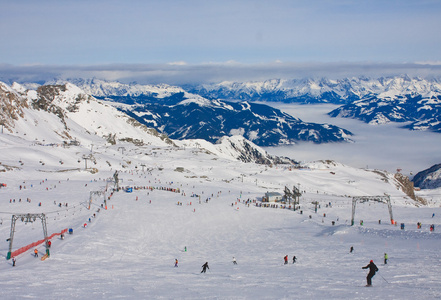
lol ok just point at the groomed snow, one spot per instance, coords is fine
(128, 251)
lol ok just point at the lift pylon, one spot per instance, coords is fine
(27, 218)
(382, 199)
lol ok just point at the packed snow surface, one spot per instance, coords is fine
(191, 205)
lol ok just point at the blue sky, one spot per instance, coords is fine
(191, 34)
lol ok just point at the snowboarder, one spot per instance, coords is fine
(385, 258)
(351, 250)
(49, 243)
(294, 258)
(205, 267)
(372, 270)
(13, 261)
(234, 261)
(286, 259)
(36, 252)
(176, 263)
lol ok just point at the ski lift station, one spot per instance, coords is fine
(272, 197)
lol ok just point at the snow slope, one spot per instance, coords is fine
(128, 251)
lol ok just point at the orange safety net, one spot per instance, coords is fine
(35, 244)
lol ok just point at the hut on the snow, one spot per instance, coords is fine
(272, 197)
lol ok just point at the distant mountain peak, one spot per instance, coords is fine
(429, 178)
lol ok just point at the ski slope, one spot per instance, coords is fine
(128, 251)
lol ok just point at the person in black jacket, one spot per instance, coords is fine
(205, 267)
(372, 270)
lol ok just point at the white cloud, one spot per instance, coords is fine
(177, 63)
(384, 147)
(182, 73)
(238, 131)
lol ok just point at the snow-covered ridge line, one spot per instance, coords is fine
(102, 88)
(63, 113)
(310, 90)
(422, 112)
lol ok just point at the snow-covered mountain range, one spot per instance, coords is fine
(323, 90)
(183, 115)
(381, 100)
(63, 114)
(211, 111)
(372, 100)
(422, 112)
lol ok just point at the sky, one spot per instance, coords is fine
(216, 40)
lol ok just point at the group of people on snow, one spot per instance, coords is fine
(373, 269)
(285, 259)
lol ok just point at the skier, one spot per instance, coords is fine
(176, 263)
(286, 259)
(351, 250)
(234, 261)
(372, 270)
(36, 252)
(13, 261)
(205, 267)
(385, 258)
(294, 258)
